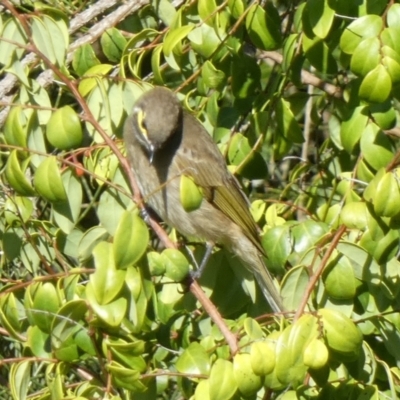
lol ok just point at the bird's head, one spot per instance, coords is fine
(156, 117)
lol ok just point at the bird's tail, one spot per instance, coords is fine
(268, 287)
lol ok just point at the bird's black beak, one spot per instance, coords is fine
(152, 150)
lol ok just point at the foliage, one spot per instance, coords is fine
(302, 98)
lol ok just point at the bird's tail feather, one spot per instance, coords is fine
(268, 288)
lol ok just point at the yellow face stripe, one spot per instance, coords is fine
(141, 115)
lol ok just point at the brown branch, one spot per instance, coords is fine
(306, 77)
(314, 278)
(215, 316)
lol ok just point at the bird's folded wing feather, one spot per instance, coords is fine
(219, 187)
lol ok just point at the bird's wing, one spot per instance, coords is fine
(205, 164)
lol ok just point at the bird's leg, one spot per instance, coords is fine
(200, 268)
(144, 213)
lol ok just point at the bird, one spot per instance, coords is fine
(165, 142)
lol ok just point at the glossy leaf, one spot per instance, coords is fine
(376, 86)
(15, 129)
(19, 379)
(48, 181)
(340, 282)
(247, 381)
(222, 383)
(366, 56)
(376, 147)
(353, 128)
(364, 27)
(290, 367)
(130, 240)
(321, 17)
(287, 123)
(262, 357)
(107, 281)
(64, 129)
(191, 195)
(262, 26)
(112, 43)
(176, 265)
(14, 32)
(16, 177)
(194, 360)
(340, 332)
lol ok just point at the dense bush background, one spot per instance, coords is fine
(302, 99)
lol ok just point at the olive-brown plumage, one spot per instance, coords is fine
(163, 142)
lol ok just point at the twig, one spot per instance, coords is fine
(306, 77)
(313, 280)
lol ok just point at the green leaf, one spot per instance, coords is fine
(66, 213)
(387, 196)
(213, 77)
(191, 195)
(112, 313)
(204, 40)
(247, 381)
(45, 306)
(165, 10)
(278, 243)
(16, 177)
(245, 77)
(206, 8)
(393, 16)
(194, 360)
(173, 39)
(107, 280)
(84, 59)
(316, 354)
(15, 129)
(38, 342)
(376, 147)
(293, 287)
(319, 55)
(384, 114)
(222, 382)
(48, 181)
(306, 234)
(287, 123)
(176, 265)
(355, 215)
(130, 240)
(9, 50)
(290, 367)
(393, 68)
(236, 8)
(90, 79)
(113, 43)
(339, 279)
(262, 357)
(49, 39)
(64, 129)
(341, 333)
(20, 378)
(365, 27)
(353, 127)
(90, 239)
(263, 27)
(366, 56)
(321, 17)
(376, 86)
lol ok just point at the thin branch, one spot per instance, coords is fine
(306, 77)
(313, 280)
